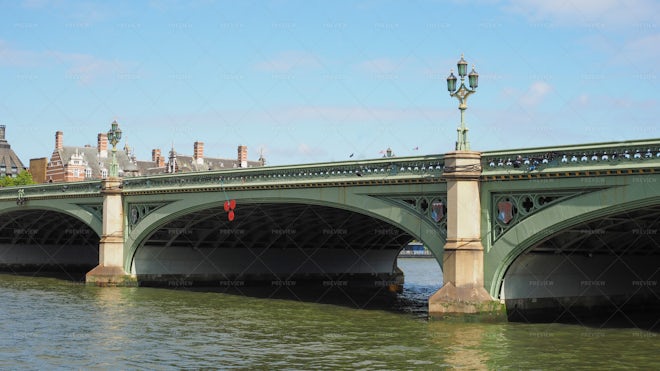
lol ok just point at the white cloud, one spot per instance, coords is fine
(535, 94)
(644, 50)
(379, 65)
(582, 101)
(305, 149)
(588, 12)
(287, 61)
(83, 67)
(355, 114)
(15, 57)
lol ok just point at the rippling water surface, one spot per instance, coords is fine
(48, 323)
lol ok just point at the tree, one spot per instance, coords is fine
(23, 178)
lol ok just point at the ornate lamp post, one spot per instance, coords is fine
(114, 136)
(462, 144)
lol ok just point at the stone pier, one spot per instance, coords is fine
(110, 271)
(463, 260)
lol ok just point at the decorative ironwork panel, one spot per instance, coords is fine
(138, 211)
(94, 209)
(432, 207)
(510, 209)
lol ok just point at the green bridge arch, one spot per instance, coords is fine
(624, 194)
(86, 215)
(363, 200)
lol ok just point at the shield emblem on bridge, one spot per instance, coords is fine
(505, 211)
(437, 211)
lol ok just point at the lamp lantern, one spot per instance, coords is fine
(462, 67)
(114, 136)
(451, 82)
(462, 93)
(473, 78)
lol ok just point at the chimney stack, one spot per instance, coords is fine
(198, 154)
(242, 156)
(157, 158)
(103, 145)
(2, 133)
(59, 140)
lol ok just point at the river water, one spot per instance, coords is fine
(48, 323)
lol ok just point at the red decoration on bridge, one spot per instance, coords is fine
(229, 207)
(437, 211)
(505, 211)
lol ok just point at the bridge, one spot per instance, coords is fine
(537, 228)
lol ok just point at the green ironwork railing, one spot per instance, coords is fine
(610, 155)
(51, 189)
(347, 171)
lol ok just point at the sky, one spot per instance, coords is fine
(316, 81)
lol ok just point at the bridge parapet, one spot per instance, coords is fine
(317, 174)
(611, 156)
(51, 190)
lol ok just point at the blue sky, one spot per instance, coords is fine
(313, 81)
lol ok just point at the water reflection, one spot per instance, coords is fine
(55, 324)
(466, 344)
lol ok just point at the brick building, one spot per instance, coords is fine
(73, 164)
(178, 163)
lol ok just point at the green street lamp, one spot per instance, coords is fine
(462, 144)
(114, 136)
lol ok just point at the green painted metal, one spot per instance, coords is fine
(75, 207)
(114, 136)
(524, 204)
(462, 94)
(51, 190)
(398, 190)
(80, 200)
(360, 199)
(384, 170)
(583, 157)
(602, 196)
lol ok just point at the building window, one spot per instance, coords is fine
(104, 173)
(76, 173)
(88, 173)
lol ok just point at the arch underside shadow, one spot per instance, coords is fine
(599, 250)
(273, 242)
(40, 241)
(319, 224)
